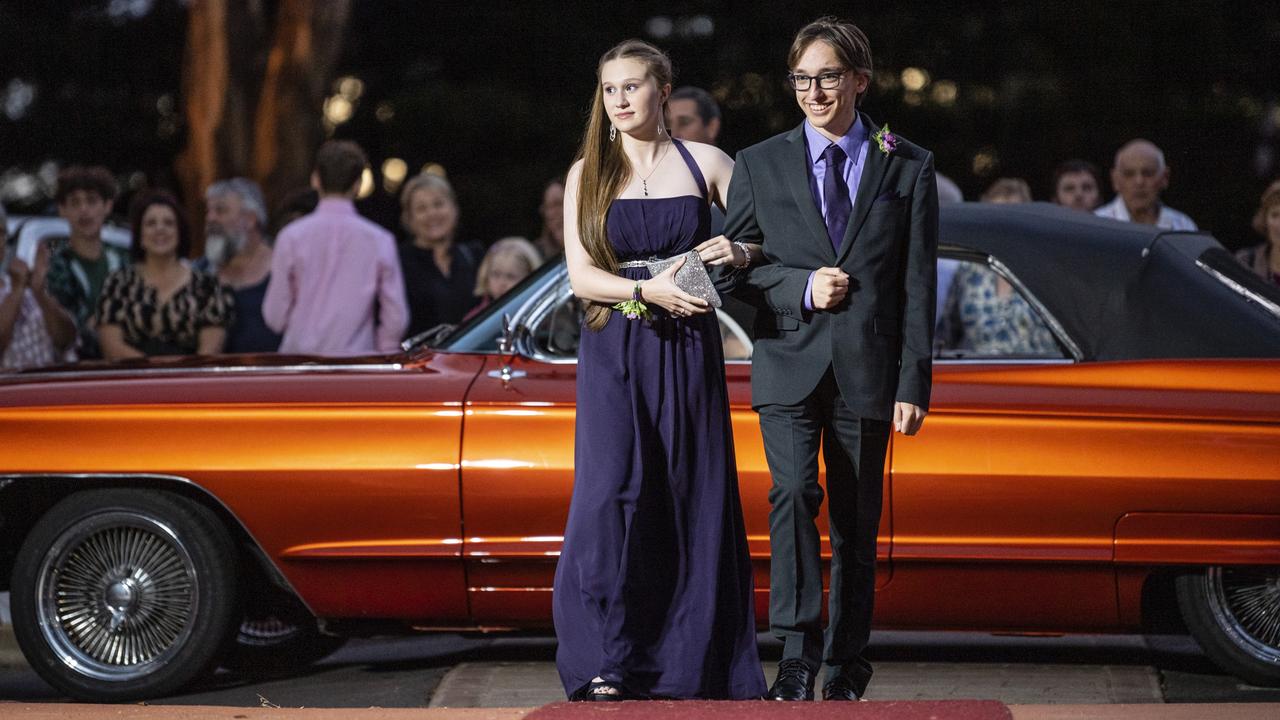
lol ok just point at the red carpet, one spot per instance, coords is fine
(762, 710)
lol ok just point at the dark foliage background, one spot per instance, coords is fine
(497, 91)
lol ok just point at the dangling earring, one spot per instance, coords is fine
(613, 132)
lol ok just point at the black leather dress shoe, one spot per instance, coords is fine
(794, 681)
(840, 688)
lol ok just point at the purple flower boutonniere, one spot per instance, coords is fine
(887, 141)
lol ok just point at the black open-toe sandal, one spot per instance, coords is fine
(604, 691)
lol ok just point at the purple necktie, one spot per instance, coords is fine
(836, 192)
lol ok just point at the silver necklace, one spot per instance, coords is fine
(644, 179)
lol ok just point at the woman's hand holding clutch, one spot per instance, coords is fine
(661, 290)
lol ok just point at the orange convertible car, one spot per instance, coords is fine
(158, 517)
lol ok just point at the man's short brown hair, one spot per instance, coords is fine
(1073, 166)
(95, 179)
(846, 39)
(339, 164)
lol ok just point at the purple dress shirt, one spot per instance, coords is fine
(854, 144)
(335, 285)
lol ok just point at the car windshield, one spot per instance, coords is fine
(481, 333)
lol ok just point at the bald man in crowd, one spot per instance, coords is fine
(1138, 176)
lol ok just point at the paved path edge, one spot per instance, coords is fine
(10, 655)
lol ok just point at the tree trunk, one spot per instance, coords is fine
(288, 125)
(253, 85)
(204, 91)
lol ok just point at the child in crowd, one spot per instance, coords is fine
(508, 261)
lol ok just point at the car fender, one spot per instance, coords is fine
(26, 496)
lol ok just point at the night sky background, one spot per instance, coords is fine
(497, 92)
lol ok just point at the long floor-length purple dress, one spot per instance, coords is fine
(653, 588)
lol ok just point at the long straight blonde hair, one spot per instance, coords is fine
(605, 168)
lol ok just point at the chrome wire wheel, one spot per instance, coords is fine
(117, 595)
(1245, 603)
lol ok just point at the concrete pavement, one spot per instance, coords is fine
(489, 684)
(471, 672)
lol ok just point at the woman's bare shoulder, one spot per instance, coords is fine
(715, 164)
(704, 153)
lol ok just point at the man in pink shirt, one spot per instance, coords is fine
(335, 284)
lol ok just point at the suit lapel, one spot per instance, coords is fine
(873, 172)
(796, 176)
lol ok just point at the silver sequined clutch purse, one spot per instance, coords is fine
(692, 277)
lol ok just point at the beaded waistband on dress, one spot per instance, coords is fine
(646, 262)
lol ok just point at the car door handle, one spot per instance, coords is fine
(506, 374)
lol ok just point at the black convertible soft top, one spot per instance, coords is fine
(1124, 291)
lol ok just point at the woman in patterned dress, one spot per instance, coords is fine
(159, 305)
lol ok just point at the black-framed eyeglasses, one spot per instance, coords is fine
(826, 81)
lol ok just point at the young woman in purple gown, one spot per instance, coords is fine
(653, 590)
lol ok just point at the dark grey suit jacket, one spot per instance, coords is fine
(879, 340)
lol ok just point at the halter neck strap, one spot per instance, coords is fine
(693, 167)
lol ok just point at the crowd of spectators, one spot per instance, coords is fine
(329, 282)
(333, 283)
(980, 313)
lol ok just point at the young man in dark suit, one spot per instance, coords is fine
(847, 216)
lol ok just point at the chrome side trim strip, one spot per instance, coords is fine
(146, 373)
(1241, 290)
(1054, 326)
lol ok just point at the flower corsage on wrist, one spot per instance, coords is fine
(634, 309)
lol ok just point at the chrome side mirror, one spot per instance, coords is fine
(507, 343)
(507, 347)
